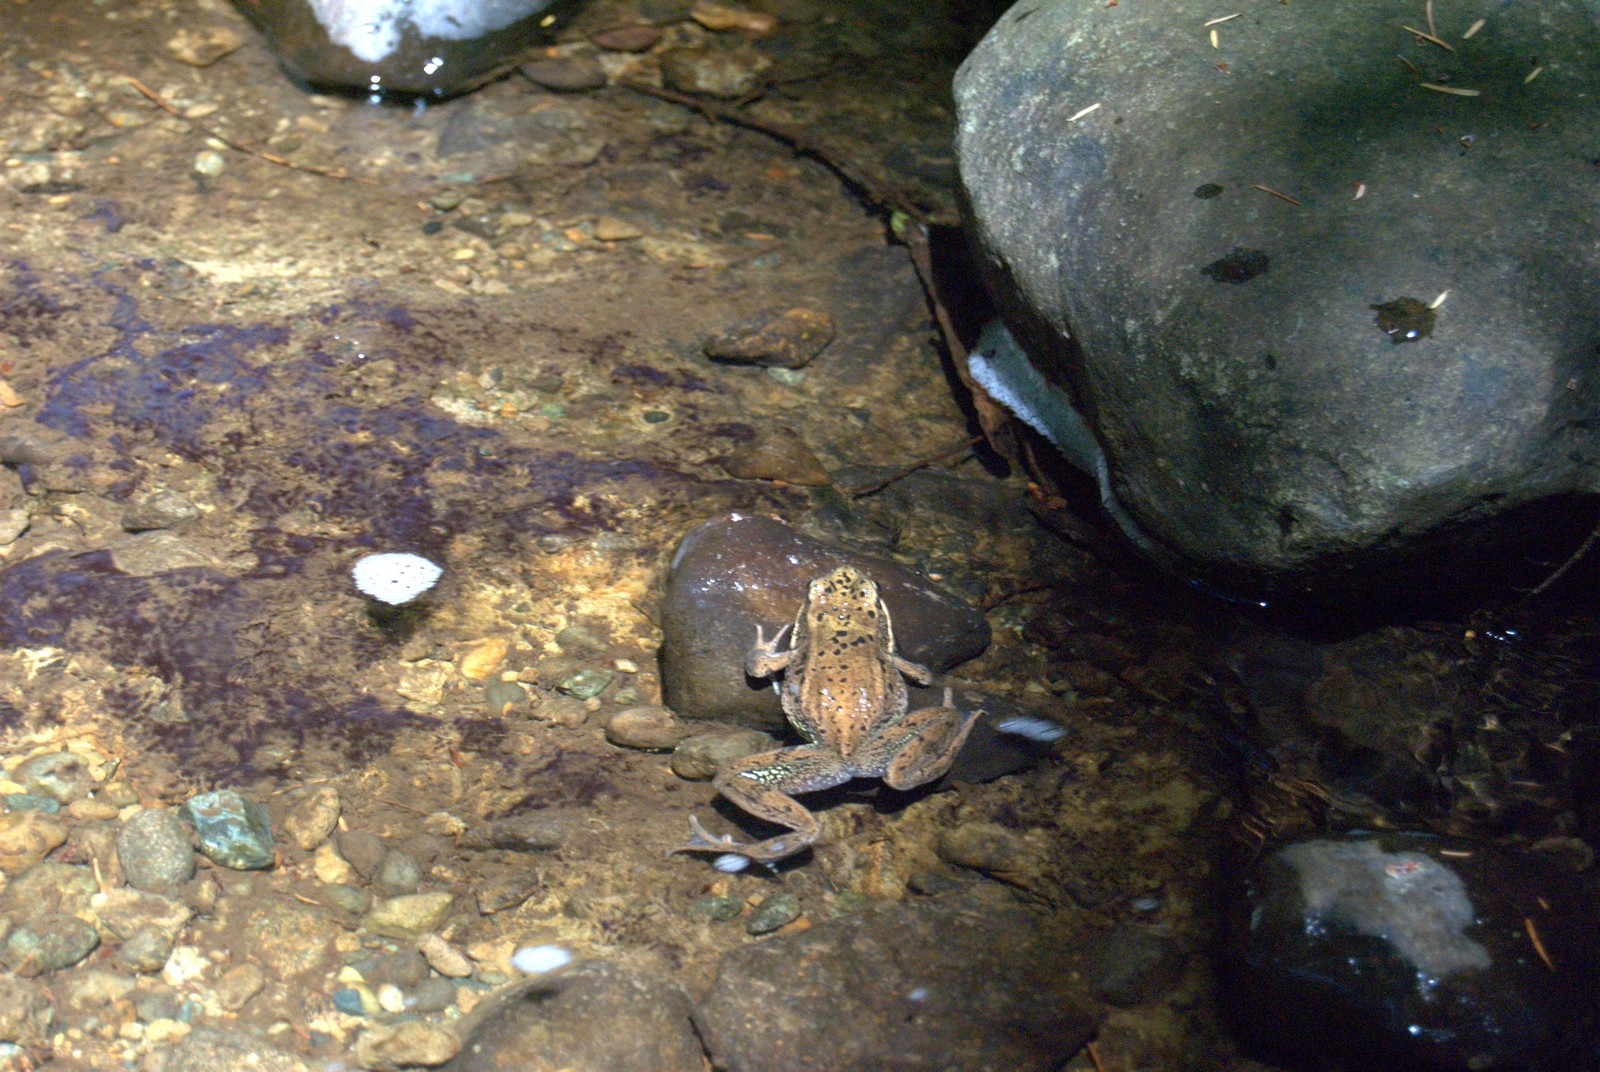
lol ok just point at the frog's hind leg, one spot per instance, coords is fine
(761, 785)
(922, 745)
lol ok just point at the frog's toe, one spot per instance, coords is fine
(701, 839)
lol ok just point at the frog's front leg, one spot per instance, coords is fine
(761, 785)
(920, 747)
(765, 659)
(915, 671)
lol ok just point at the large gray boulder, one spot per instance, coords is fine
(1271, 390)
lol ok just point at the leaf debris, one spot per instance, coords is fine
(1275, 193)
(1426, 36)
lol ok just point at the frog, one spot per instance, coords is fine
(843, 689)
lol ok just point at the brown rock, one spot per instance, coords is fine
(202, 46)
(780, 454)
(715, 72)
(26, 837)
(650, 727)
(700, 757)
(646, 1024)
(949, 984)
(640, 38)
(776, 338)
(565, 74)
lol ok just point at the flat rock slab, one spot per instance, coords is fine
(1280, 383)
(950, 985)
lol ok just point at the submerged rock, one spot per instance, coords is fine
(1406, 950)
(234, 831)
(397, 47)
(945, 984)
(555, 1016)
(1223, 298)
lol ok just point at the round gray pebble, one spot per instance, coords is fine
(153, 846)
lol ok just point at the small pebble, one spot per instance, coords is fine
(774, 912)
(983, 847)
(775, 338)
(718, 906)
(202, 46)
(210, 163)
(779, 454)
(571, 74)
(312, 817)
(60, 776)
(146, 950)
(443, 957)
(363, 850)
(239, 984)
(408, 916)
(586, 684)
(637, 38)
(432, 995)
(409, 1043)
(698, 758)
(26, 837)
(398, 873)
(48, 943)
(154, 848)
(650, 727)
(716, 72)
(234, 832)
(162, 509)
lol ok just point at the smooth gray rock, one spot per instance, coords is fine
(1237, 353)
(950, 985)
(154, 848)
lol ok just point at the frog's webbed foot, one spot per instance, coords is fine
(765, 852)
(766, 658)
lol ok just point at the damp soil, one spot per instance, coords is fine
(474, 331)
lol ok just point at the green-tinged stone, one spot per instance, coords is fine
(717, 906)
(773, 913)
(234, 832)
(586, 684)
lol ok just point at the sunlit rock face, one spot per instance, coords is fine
(428, 48)
(1324, 289)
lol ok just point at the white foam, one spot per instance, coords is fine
(371, 28)
(538, 959)
(394, 577)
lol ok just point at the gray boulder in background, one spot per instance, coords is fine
(1272, 392)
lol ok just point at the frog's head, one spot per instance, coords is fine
(844, 591)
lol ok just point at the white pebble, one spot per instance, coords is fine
(731, 862)
(1034, 729)
(538, 959)
(394, 577)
